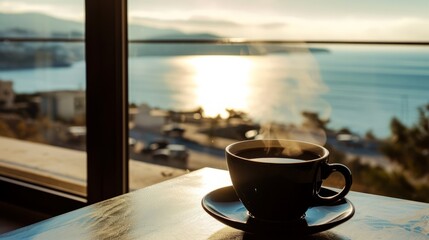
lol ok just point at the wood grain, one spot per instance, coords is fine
(172, 210)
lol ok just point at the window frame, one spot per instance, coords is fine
(107, 137)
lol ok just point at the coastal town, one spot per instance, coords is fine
(184, 139)
(188, 140)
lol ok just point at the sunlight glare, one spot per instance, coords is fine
(222, 82)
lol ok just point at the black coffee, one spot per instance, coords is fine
(276, 155)
(274, 191)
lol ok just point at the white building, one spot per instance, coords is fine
(63, 105)
(7, 96)
(148, 117)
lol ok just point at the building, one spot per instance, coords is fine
(145, 116)
(7, 96)
(63, 105)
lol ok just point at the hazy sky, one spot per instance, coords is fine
(265, 19)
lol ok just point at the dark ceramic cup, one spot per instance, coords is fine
(278, 180)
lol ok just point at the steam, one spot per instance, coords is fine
(291, 149)
(281, 131)
(300, 92)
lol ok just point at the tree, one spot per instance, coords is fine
(410, 146)
(369, 135)
(312, 120)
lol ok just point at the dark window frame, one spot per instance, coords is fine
(106, 44)
(107, 98)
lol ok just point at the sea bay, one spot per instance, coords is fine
(360, 88)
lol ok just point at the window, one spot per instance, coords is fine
(350, 76)
(202, 75)
(56, 99)
(42, 70)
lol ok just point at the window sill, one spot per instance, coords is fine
(65, 169)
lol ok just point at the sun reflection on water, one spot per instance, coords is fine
(221, 82)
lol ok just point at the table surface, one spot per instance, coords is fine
(172, 210)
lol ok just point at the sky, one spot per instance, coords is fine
(264, 19)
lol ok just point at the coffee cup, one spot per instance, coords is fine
(278, 180)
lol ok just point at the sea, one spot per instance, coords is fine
(360, 88)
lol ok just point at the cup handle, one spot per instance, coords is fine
(327, 170)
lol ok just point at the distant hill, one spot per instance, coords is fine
(28, 55)
(144, 32)
(37, 24)
(40, 25)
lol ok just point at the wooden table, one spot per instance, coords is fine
(172, 210)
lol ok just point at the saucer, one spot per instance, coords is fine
(224, 205)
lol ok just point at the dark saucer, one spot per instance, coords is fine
(224, 205)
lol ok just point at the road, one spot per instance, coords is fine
(199, 155)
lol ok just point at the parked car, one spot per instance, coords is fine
(171, 151)
(349, 140)
(173, 130)
(155, 145)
